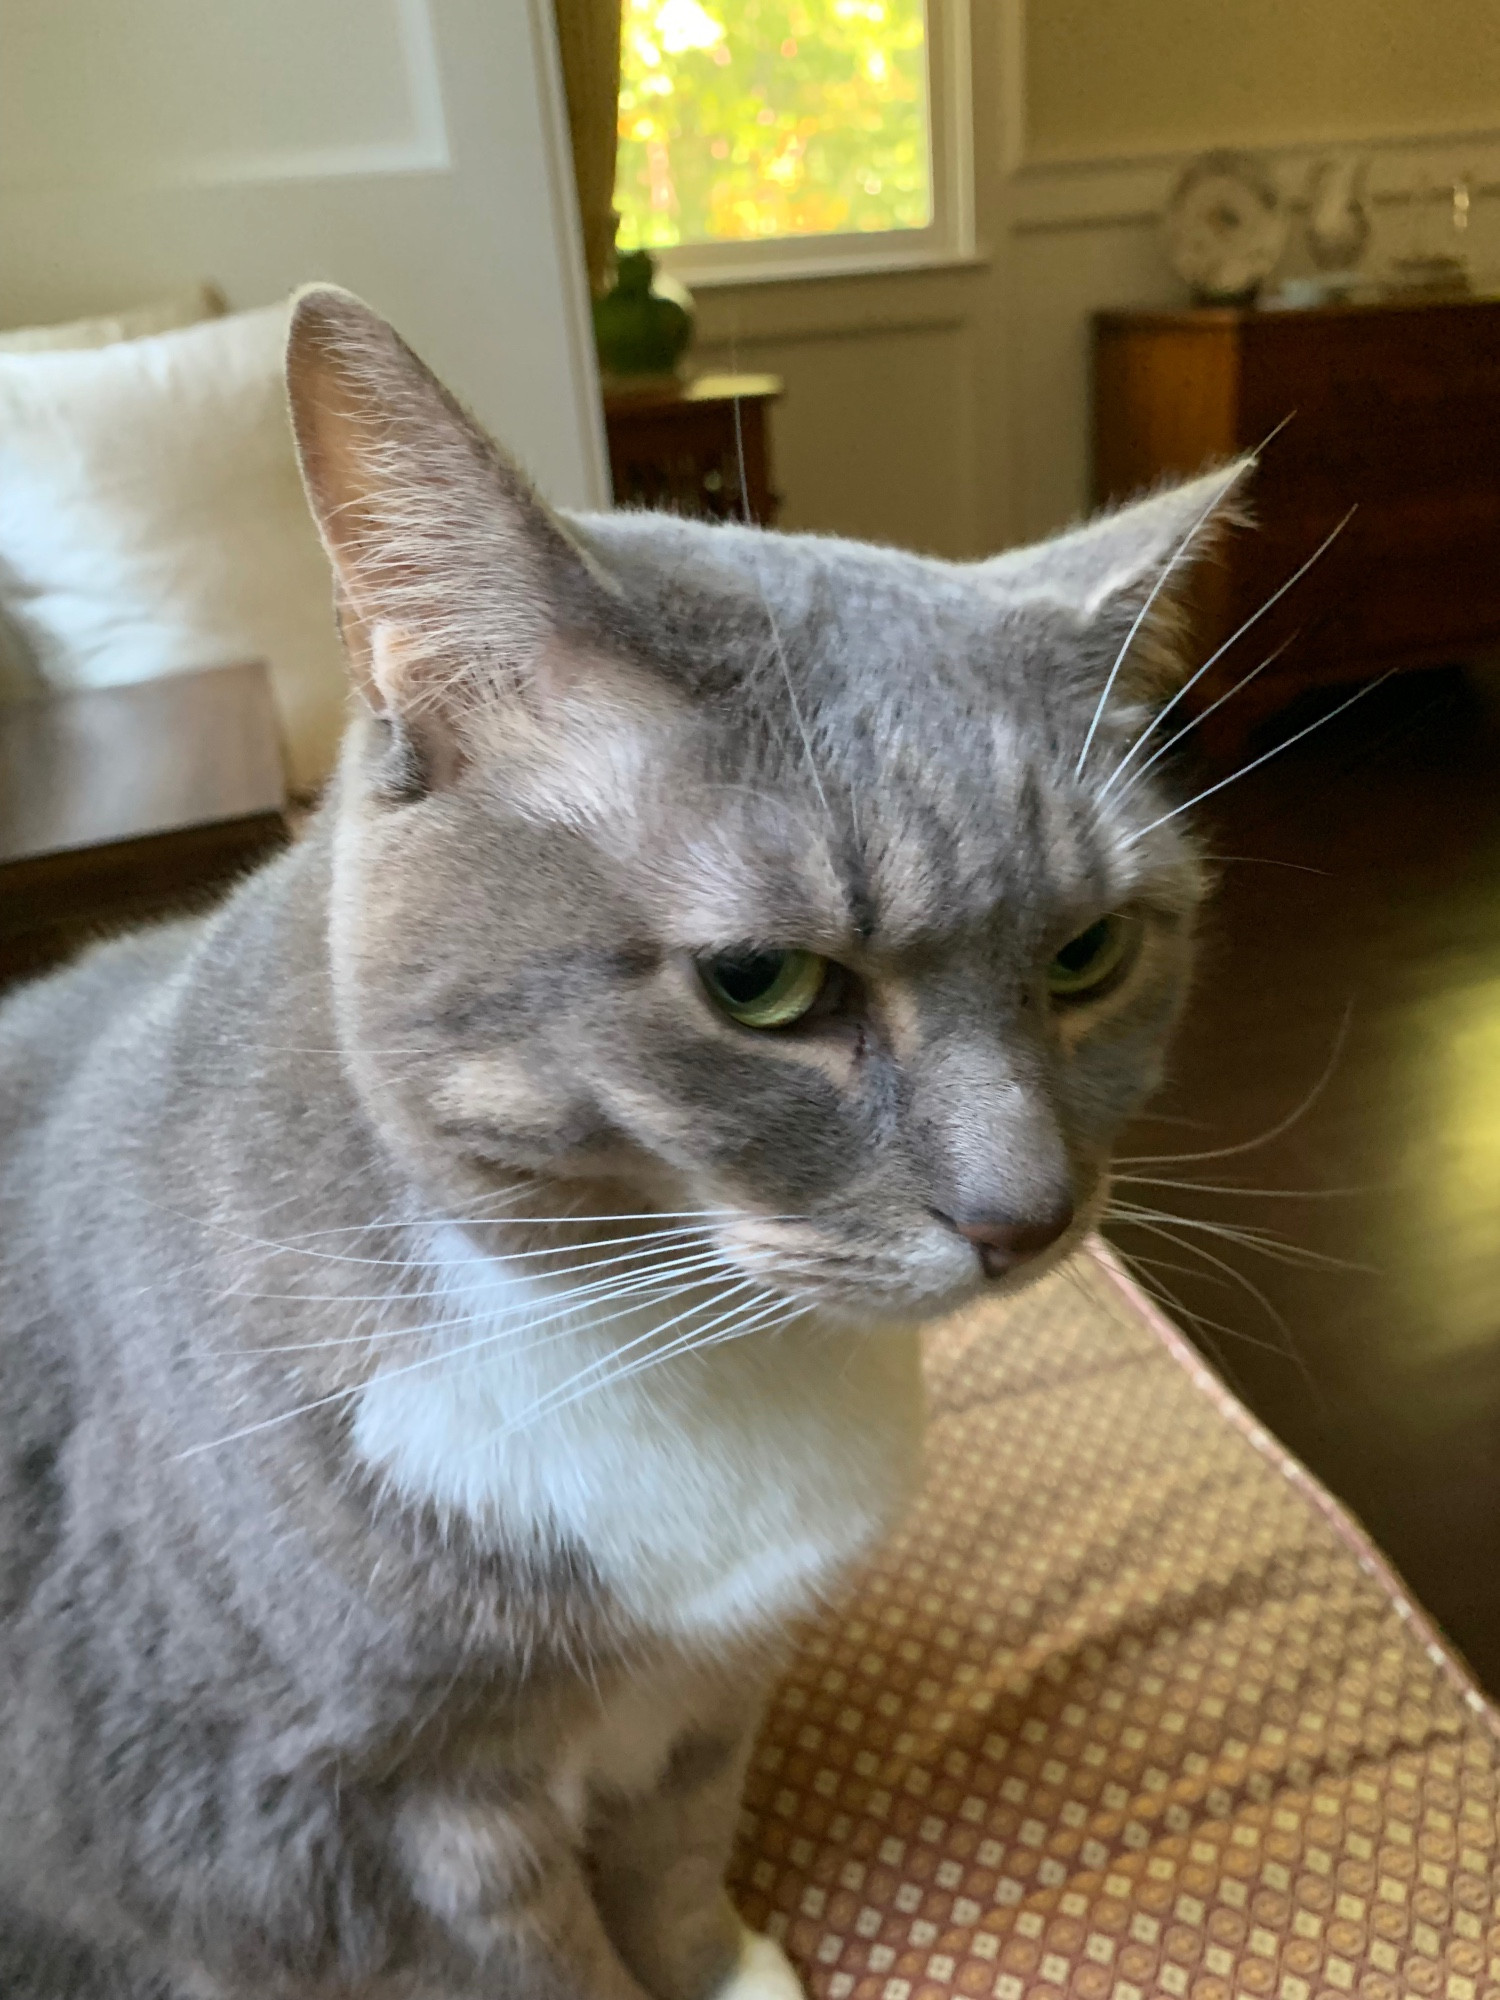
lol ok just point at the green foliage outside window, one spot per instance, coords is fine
(748, 119)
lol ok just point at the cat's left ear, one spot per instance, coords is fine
(1124, 577)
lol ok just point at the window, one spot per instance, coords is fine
(761, 136)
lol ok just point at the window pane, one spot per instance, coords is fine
(748, 119)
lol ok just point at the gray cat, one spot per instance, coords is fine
(459, 1297)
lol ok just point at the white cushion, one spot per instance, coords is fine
(160, 316)
(19, 677)
(152, 522)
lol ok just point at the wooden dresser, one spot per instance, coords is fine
(1394, 409)
(684, 446)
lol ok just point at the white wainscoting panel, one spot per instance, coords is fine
(154, 92)
(413, 150)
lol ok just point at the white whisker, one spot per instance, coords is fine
(1278, 1249)
(642, 1248)
(667, 1282)
(1199, 1320)
(1165, 749)
(534, 1221)
(1145, 611)
(1263, 861)
(1264, 758)
(1234, 1187)
(692, 1341)
(1265, 1138)
(609, 1361)
(786, 671)
(1290, 1350)
(290, 1247)
(412, 1367)
(1170, 1264)
(1213, 659)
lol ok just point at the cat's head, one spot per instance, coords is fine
(815, 889)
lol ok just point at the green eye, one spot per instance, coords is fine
(1089, 962)
(765, 989)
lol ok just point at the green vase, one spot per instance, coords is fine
(644, 324)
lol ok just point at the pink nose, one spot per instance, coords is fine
(1005, 1241)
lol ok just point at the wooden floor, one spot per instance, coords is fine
(1353, 956)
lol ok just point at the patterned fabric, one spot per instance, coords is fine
(1128, 1707)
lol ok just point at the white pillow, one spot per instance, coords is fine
(203, 302)
(18, 673)
(152, 522)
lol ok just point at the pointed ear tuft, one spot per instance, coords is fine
(1127, 574)
(448, 567)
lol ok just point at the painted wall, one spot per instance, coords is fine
(949, 409)
(412, 150)
(881, 431)
(1158, 75)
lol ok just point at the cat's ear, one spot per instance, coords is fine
(451, 574)
(1126, 575)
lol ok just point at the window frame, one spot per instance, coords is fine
(947, 239)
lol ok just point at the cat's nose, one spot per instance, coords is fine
(1006, 1241)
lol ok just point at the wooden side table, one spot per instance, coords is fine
(1394, 408)
(123, 803)
(684, 445)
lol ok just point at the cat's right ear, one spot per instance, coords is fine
(451, 574)
(1124, 579)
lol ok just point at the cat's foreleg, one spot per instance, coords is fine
(510, 1909)
(658, 1864)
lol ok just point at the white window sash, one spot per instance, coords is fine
(947, 239)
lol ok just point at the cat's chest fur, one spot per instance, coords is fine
(717, 1493)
